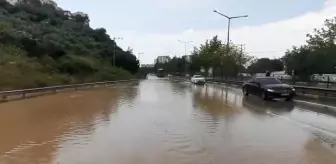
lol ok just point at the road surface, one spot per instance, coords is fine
(160, 121)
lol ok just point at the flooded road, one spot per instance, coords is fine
(164, 122)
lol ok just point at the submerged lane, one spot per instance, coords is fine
(161, 121)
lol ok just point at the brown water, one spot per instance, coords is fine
(163, 122)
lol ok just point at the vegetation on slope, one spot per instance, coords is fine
(42, 44)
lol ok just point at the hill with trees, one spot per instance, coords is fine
(41, 44)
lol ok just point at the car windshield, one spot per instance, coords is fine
(269, 81)
(198, 76)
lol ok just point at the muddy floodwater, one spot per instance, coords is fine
(161, 121)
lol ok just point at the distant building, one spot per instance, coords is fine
(259, 74)
(162, 59)
(281, 75)
(147, 65)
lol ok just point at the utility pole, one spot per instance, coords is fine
(185, 53)
(114, 49)
(228, 37)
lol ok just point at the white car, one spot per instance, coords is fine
(198, 79)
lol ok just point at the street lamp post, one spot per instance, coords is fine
(228, 37)
(185, 53)
(114, 49)
(185, 45)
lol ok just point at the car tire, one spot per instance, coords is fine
(245, 91)
(264, 96)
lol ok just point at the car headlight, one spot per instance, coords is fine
(293, 89)
(270, 90)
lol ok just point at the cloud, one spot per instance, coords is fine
(179, 3)
(330, 3)
(139, 31)
(267, 40)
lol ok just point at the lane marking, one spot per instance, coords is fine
(301, 123)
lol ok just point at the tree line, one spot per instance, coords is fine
(317, 56)
(213, 58)
(60, 46)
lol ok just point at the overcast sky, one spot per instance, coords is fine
(153, 27)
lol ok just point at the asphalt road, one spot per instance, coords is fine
(162, 121)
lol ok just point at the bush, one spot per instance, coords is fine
(43, 45)
(20, 71)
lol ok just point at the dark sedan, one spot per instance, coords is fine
(268, 88)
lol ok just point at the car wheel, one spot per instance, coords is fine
(245, 91)
(289, 98)
(264, 96)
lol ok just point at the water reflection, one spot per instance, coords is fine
(158, 121)
(261, 107)
(180, 88)
(214, 102)
(32, 129)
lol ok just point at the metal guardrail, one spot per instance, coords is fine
(315, 91)
(299, 89)
(24, 93)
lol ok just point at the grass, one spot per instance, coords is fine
(20, 71)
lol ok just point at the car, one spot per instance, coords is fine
(198, 79)
(268, 88)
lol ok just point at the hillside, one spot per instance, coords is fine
(42, 44)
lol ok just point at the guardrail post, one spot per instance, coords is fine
(328, 81)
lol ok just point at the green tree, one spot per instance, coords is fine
(265, 64)
(317, 56)
(60, 43)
